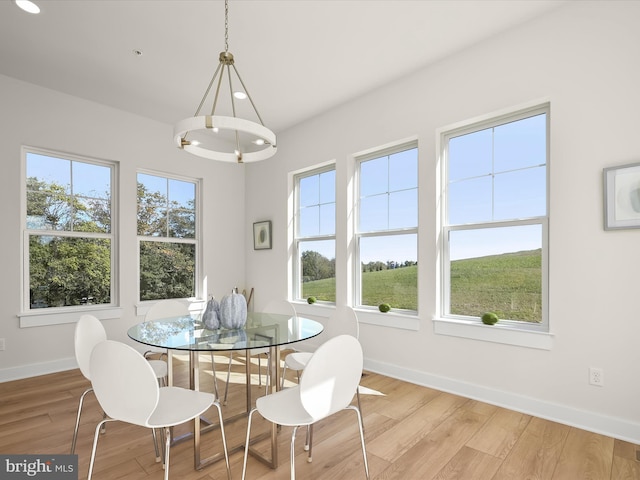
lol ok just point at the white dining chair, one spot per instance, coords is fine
(343, 321)
(328, 385)
(89, 332)
(127, 390)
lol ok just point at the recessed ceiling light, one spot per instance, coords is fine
(240, 95)
(28, 6)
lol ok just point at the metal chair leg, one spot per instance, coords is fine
(226, 388)
(99, 428)
(364, 449)
(155, 445)
(75, 431)
(309, 442)
(293, 453)
(215, 377)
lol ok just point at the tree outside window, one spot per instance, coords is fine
(68, 224)
(167, 237)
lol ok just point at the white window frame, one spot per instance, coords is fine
(30, 317)
(357, 270)
(509, 332)
(143, 305)
(296, 292)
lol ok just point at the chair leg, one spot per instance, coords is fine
(293, 453)
(226, 388)
(95, 445)
(215, 377)
(75, 431)
(284, 373)
(246, 445)
(359, 407)
(309, 442)
(155, 445)
(167, 446)
(364, 449)
(268, 384)
(224, 439)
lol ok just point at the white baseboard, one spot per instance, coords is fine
(591, 421)
(36, 369)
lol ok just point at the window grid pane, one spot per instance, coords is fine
(167, 213)
(388, 203)
(315, 227)
(496, 207)
(69, 249)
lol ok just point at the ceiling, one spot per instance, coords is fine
(297, 58)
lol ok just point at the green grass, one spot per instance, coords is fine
(508, 285)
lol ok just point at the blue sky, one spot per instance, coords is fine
(494, 174)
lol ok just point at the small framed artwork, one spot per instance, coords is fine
(262, 235)
(622, 197)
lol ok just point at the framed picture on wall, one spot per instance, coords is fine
(622, 197)
(262, 235)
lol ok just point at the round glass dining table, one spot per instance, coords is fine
(189, 334)
(261, 330)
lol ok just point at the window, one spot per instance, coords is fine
(69, 242)
(495, 219)
(315, 235)
(387, 229)
(167, 237)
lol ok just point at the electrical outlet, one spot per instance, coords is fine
(1, 343)
(596, 376)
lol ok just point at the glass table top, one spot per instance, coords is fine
(190, 333)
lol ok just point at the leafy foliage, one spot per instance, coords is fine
(167, 270)
(67, 270)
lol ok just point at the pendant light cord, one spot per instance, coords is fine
(226, 26)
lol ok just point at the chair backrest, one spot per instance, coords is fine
(166, 309)
(343, 321)
(280, 306)
(331, 377)
(89, 332)
(124, 382)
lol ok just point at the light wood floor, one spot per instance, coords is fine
(412, 432)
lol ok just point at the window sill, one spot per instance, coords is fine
(493, 333)
(66, 315)
(372, 316)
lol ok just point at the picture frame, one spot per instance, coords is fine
(622, 197)
(262, 235)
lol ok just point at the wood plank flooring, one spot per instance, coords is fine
(412, 432)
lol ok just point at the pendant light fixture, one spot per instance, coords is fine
(230, 137)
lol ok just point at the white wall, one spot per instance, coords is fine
(583, 58)
(43, 118)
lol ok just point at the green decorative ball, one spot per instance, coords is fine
(311, 300)
(384, 307)
(489, 318)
